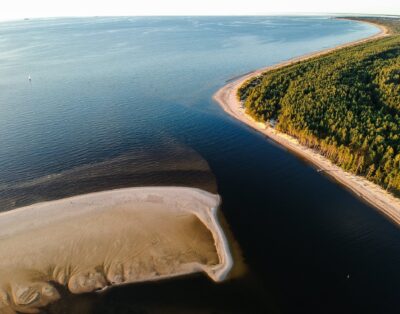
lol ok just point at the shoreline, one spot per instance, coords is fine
(208, 217)
(364, 189)
(111, 238)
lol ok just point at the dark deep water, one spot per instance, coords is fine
(118, 102)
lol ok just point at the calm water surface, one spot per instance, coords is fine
(118, 102)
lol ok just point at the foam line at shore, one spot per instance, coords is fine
(371, 193)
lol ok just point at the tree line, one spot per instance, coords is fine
(345, 104)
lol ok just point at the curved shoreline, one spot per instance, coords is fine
(367, 191)
(94, 241)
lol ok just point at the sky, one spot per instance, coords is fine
(16, 9)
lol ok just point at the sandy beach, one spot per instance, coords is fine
(371, 193)
(94, 241)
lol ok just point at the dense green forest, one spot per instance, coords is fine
(346, 104)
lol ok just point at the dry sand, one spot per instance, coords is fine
(90, 242)
(366, 190)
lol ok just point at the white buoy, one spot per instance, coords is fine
(29, 78)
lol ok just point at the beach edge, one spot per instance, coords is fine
(364, 189)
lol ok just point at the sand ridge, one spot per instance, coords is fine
(94, 241)
(373, 194)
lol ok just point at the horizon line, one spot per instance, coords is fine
(334, 14)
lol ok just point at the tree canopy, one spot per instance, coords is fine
(346, 104)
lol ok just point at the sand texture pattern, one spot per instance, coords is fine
(93, 241)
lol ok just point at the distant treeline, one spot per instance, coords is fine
(345, 104)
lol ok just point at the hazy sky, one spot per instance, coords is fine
(13, 9)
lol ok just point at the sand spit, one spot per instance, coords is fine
(366, 190)
(93, 241)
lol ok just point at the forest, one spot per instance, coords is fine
(345, 104)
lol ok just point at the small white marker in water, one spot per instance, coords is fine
(348, 276)
(29, 78)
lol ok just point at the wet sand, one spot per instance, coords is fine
(94, 241)
(373, 194)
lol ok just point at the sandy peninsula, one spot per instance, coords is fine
(366, 190)
(94, 241)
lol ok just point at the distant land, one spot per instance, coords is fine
(338, 108)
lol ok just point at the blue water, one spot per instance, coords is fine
(103, 86)
(117, 102)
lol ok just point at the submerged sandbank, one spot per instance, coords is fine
(366, 190)
(93, 241)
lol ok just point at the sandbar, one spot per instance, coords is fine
(94, 241)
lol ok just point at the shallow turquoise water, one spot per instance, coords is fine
(117, 102)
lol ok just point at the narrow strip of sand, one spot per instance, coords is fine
(94, 241)
(373, 194)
